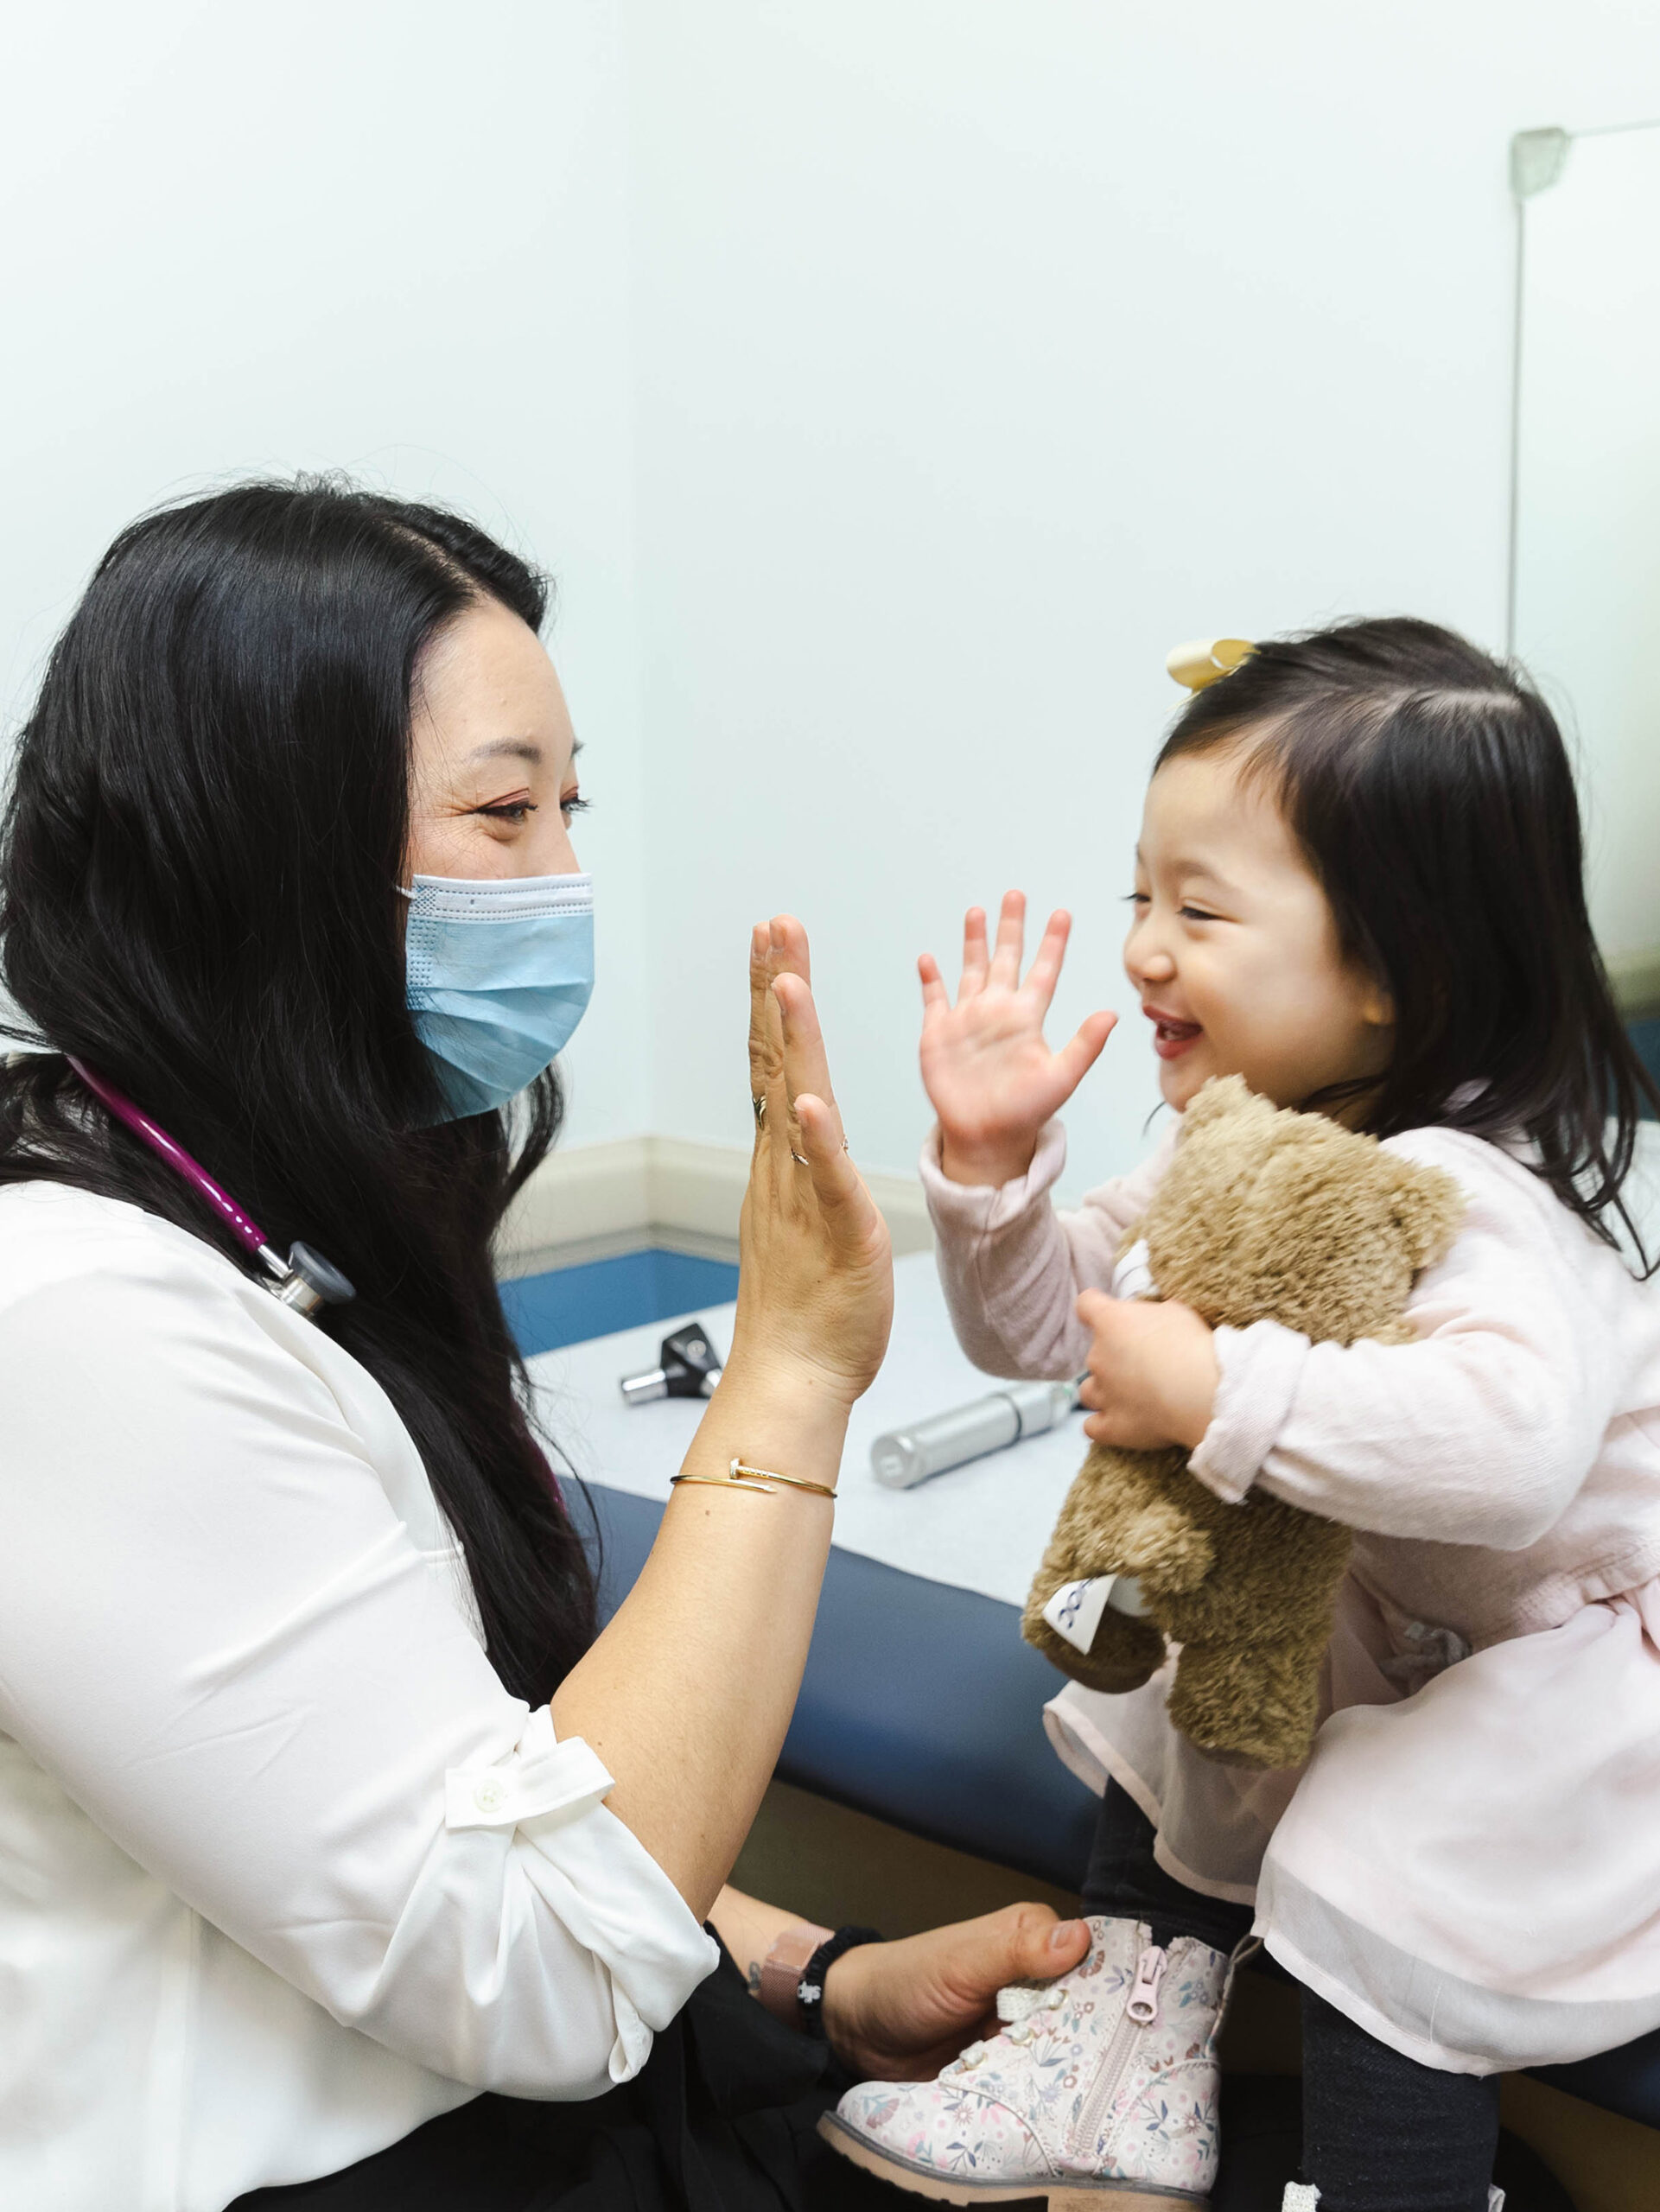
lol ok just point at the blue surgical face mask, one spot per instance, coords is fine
(498, 975)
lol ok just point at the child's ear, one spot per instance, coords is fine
(1428, 1207)
(1377, 1004)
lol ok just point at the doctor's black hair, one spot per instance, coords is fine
(1431, 792)
(208, 819)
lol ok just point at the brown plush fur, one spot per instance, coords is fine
(1263, 1215)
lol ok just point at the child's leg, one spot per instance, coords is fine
(1125, 1882)
(1380, 2132)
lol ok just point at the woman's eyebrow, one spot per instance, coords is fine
(517, 748)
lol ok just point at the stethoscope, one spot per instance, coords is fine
(304, 1281)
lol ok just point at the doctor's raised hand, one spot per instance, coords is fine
(688, 1692)
(816, 1284)
(986, 1065)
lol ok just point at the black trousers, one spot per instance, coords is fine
(721, 2118)
(1380, 2133)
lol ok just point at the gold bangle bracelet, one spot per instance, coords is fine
(740, 1477)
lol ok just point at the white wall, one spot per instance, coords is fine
(388, 237)
(1588, 551)
(984, 352)
(889, 383)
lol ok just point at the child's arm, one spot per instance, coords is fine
(1010, 1269)
(1483, 1431)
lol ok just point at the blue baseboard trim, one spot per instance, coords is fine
(567, 1305)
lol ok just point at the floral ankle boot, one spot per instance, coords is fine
(1102, 2083)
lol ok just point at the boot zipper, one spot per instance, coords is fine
(1141, 2011)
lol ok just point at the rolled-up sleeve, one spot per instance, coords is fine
(219, 1634)
(1483, 1430)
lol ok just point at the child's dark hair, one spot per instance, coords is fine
(1431, 791)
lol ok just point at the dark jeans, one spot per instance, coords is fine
(1381, 2132)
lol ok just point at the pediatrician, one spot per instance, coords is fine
(323, 1807)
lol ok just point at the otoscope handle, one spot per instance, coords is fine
(688, 1368)
(906, 1457)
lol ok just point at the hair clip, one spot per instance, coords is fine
(1205, 661)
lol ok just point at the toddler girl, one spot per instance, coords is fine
(1359, 885)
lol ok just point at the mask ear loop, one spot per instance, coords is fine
(304, 1281)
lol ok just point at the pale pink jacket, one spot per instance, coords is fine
(1501, 1473)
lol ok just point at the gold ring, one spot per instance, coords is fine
(800, 1159)
(759, 1108)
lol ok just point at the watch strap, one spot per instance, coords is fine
(783, 1966)
(809, 1990)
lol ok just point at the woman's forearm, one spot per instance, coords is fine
(687, 1693)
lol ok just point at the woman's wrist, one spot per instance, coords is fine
(774, 1415)
(773, 1380)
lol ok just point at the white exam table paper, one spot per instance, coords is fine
(982, 1527)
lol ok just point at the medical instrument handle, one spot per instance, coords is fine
(905, 1456)
(689, 1368)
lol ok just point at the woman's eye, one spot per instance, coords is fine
(574, 804)
(514, 811)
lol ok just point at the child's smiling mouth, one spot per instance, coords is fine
(1171, 1038)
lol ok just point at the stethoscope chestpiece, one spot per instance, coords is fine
(310, 1281)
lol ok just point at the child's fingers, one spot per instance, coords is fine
(976, 958)
(1079, 1057)
(936, 999)
(1045, 972)
(1011, 941)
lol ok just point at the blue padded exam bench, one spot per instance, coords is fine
(920, 1704)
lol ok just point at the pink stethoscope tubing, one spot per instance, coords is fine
(241, 1224)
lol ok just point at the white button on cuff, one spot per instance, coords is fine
(567, 1779)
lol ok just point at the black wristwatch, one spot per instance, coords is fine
(809, 1990)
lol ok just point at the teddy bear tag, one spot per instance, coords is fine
(1075, 1610)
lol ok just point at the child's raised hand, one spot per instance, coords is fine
(990, 1075)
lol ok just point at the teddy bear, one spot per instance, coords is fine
(1263, 1214)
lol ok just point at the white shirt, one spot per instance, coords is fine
(284, 1871)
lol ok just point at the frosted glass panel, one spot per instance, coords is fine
(1588, 572)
